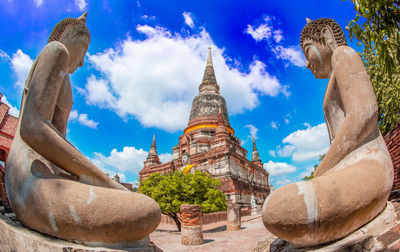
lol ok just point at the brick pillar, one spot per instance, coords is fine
(233, 217)
(191, 230)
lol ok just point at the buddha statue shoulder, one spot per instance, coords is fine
(353, 181)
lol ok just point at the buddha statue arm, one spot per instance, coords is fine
(359, 104)
(38, 110)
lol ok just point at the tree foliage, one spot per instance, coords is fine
(315, 168)
(172, 190)
(387, 91)
(377, 27)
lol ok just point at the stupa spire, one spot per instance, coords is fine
(152, 157)
(209, 82)
(255, 156)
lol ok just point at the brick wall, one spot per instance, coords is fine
(392, 140)
(207, 218)
(3, 194)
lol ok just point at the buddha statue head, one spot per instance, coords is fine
(73, 33)
(319, 38)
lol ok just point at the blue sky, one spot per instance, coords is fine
(146, 60)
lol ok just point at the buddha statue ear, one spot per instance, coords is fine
(327, 34)
(83, 18)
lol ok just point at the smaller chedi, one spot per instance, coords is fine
(51, 186)
(353, 182)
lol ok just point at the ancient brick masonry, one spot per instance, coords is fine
(392, 140)
(210, 145)
(8, 126)
(233, 217)
(191, 230)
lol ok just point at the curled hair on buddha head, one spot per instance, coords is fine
(312, 30)
(59, 29)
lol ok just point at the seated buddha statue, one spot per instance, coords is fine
(52, 187)
(353, 181)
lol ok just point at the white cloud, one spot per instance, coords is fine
(21, 63)
(274, 36)
(274, 125)
(286, 151)
(82, 119)
(282, 182)
(12, 109)
(147, 17)
(279, 168)
(272, 153)
(128, 161)
(38, 2)
(306, 144)
(4, 55)
(165, 157)
(307, 125)
(287, 118)
(263, 31)
(253, 131)
(278, 35)
(81, 4)
(188, 19)
(156, 79)
(293, 54)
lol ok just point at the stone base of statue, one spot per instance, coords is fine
(363, 239)
(16, 237)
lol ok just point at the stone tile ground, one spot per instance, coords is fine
(168, 239)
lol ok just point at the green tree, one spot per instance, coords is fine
(387, 90)
(172, 190)
(377, 26)
(315, 168)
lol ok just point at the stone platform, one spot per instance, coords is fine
(16, 237)
(381, 234)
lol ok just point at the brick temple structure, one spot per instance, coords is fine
(210, 145)
(392, 140)
(8, 126)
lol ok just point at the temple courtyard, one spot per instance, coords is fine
(168, 239)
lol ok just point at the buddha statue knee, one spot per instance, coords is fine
(353, 181)
(87, 206)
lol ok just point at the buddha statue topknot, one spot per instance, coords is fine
(353, 182)
(52, 187)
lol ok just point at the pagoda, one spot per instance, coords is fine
(209, 144)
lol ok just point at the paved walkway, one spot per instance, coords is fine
(168, 239)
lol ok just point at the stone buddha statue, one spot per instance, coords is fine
(352, 183)
(52, 187)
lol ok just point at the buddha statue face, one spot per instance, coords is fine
(77, 44)
(319, 39)
(318, 58)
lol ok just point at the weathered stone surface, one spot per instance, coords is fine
(88, 207)
(233, 222)
(366, 238)
(353, 181)
(191, 229)
(15, 237)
